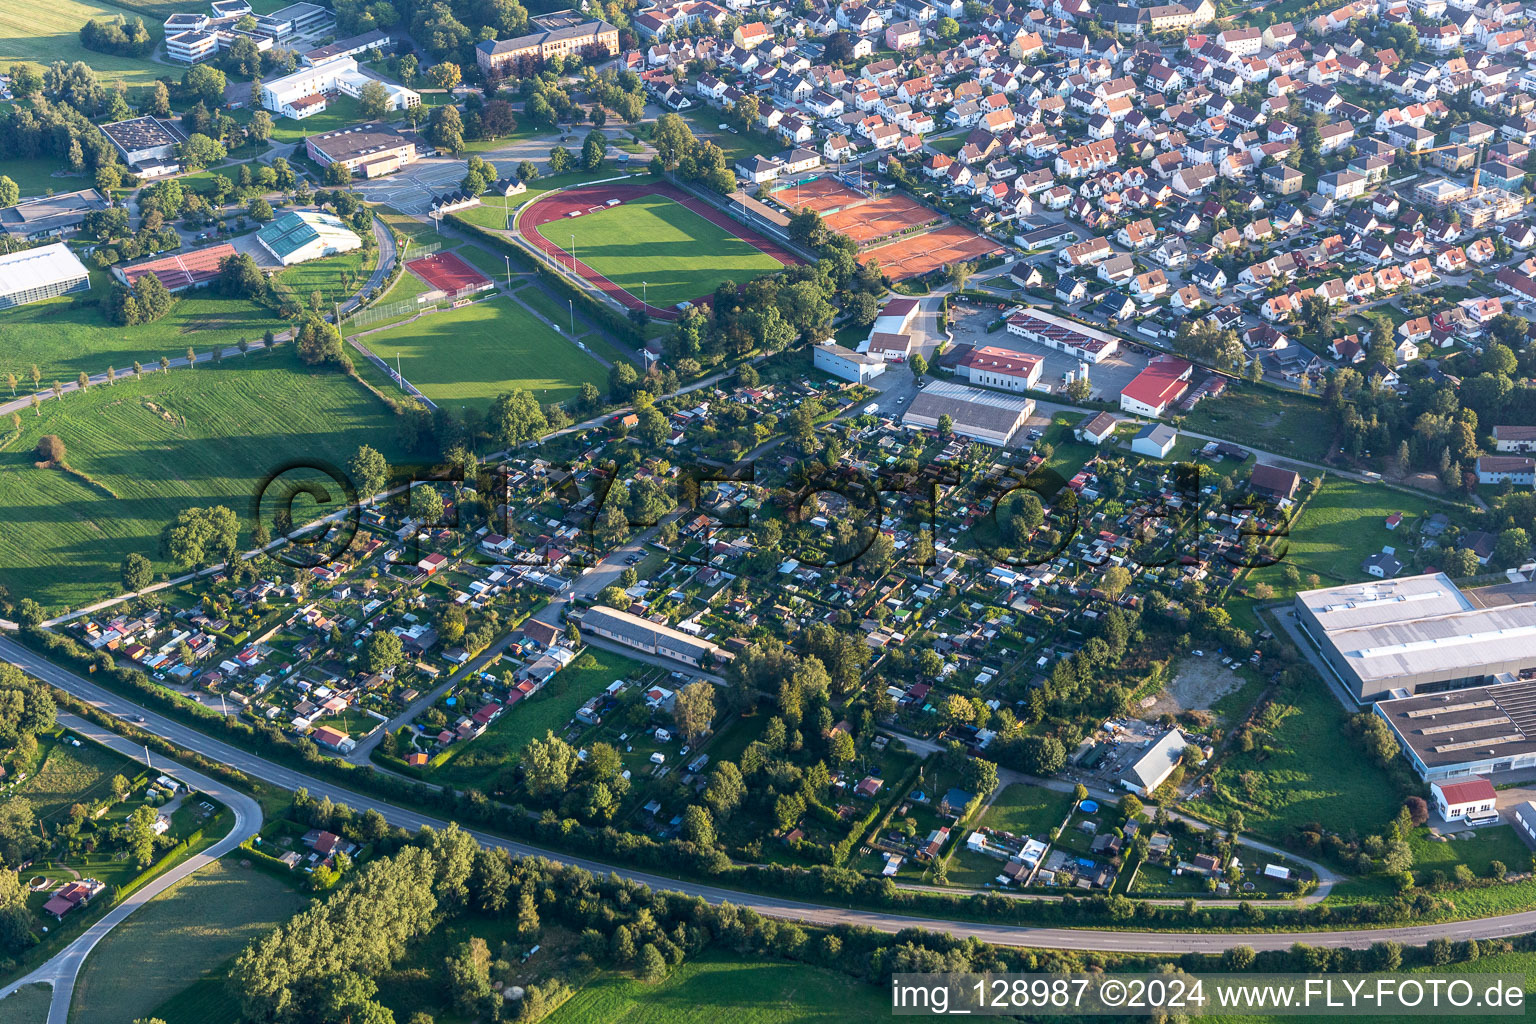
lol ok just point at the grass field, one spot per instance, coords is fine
(36, 176)
(1487, 845)
(493, 210)
(156, 446)
(469, 355)
(27, 1006)
(62, 338)
(709, 991)
(477, 761)
(1285, 424)
(339, 112)
(182, 934)
(70, 775)
(660, 249)
(1305, 769)
(1344, 522)
(1027, 810)
(336, 278)
(44, 33)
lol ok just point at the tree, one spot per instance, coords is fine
(694, 710)
(547, 766)
(50, 450)
(383, 650)
(319, 343)
(841, 749)
(200, 536)
(1116, 578)
(979, 776)
(652, 966)
(559, 160)
(260, 211)
(516, 417)
(137, 572)
(426, 505)
(373, 98)
(918, 364)
(1041, 755)
(10, 193)
(370, 471)
(204, 82)
(527, 171)
(445, 128)
(445, 75)
(260, 127)
(593, 150)
(698, 828)
(139, 835)
(468, 971)
(200, 151)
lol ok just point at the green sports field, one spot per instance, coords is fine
(156, 446)
(660, 249)
(469, 355)
(169, 944)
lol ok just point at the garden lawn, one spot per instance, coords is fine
(1027, 810)
(1307, 768)
(62, 338)
(161, 444)
(43, 33)
(711, 990)
(657, 248)
(179, 936)
(469, 355)
(475, 762)
(1286, 424)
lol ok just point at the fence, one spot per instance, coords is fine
(417, 247)
(389, 310)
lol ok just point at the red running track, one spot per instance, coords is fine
(557, 205)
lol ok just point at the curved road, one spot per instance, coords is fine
(1172, 943)
(62, 969)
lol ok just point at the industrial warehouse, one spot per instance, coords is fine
(1398, 638)
(1476, 731)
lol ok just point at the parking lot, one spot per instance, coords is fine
(411, 190)
(1108, 377)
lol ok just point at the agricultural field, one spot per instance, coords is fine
(44, 33)
(1301, 770)
(658, 249)
(1523, 964)
(469, 355)
(64, 338)
(143, 450)
(180, 936)
(481, 759)
(711, 990)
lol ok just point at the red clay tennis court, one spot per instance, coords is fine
(446, 272)
(849, 212)
(920, 254)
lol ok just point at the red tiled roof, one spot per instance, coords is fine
(1471, 791)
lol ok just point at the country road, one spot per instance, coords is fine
(1172, 943)
(63, 968)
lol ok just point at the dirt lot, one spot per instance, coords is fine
(1197, 684)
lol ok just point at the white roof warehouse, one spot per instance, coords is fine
(46, 272)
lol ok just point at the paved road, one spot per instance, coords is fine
(64, 967)
(1046, 938)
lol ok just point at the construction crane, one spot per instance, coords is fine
(1477, 165)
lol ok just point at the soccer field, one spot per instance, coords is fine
(659, 250)
(469, 355)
